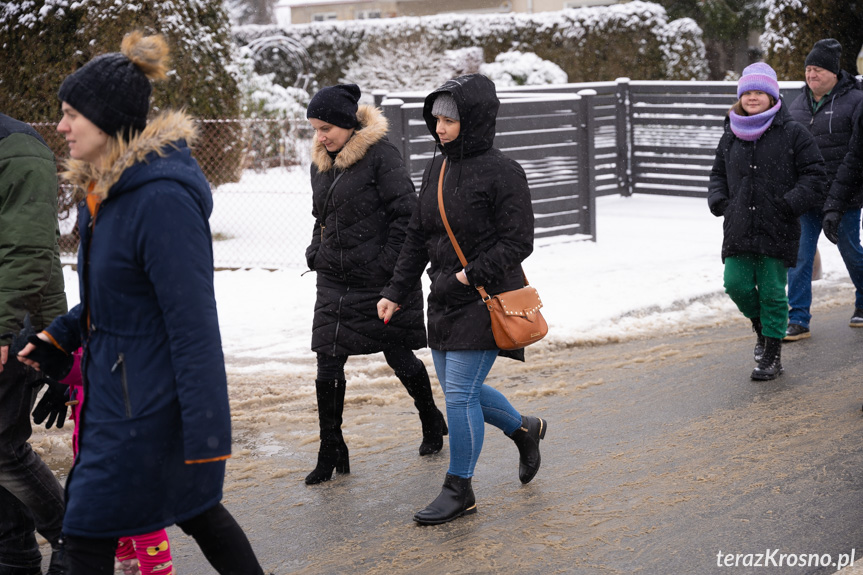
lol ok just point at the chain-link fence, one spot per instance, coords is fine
(259, 174)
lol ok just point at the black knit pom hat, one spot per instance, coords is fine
(336, 105)
(113, 90)
(825, 54)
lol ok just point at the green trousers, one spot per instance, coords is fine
(757, 285)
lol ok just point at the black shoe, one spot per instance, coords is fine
(333, 453)
(857, 318)
(455, 499)
(759, 339)
(770, 366)
(795, 332)
(527, 439)
(434, 428)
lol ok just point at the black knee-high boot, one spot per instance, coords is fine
(434, 426)
(333, 453)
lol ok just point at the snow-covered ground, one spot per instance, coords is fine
(655, 268)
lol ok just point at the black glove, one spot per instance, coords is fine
(53, 361)
(53, 403)
(831, 225)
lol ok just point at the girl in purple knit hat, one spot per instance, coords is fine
(767, 172)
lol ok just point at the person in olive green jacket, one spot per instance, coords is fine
(31, 283)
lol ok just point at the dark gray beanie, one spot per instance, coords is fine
(336, 105)
(825, 54)
(444, 105)
(110, 91)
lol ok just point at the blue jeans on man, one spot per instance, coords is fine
(800, 277)
(30, 496)
(470, 404)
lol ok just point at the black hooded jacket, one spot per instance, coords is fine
(762, 187)
(488, 206)
(832, 126)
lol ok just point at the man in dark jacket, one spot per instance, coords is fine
(829, 106)
(31, 282)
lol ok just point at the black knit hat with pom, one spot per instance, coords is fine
(113, 90)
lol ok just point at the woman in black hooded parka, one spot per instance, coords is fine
(363, 198)
(488, 206)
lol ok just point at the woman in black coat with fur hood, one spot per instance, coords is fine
(488, 206)
(363, 198)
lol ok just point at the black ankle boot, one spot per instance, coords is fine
(770, 366)
(527, 438)
(333, 453)
(455, 499)
(758, 352)
(434, 425)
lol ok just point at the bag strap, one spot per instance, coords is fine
(327, 202)
(459, 253)
(461, 258)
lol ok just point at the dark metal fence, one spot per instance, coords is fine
(580, 141)
(575, 141)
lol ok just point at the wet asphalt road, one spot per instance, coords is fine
(660, 454)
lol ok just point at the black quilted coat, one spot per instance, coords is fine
(762, 187)
(354, 253)
(488, 206)
(832, 126)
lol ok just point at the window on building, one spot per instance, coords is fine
(366, 14)
(324, 16)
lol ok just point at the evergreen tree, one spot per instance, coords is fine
(42, 41)
(726, 25)
(793, 26)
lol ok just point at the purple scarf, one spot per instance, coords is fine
(750, 128)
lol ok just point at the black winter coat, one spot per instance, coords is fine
(762, 187)
(832, 126)
(488, 205)
(365, 217)
(848, 184)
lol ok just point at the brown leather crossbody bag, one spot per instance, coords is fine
(516, 321)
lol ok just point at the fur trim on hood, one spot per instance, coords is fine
(163, 130)
(373, 127)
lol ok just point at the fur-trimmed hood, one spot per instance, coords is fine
(373, 127)
(161, 134)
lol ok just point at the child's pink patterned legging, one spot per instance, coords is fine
(152, 550)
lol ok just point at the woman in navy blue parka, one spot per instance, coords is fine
(155, 429)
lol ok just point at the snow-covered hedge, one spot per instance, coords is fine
(522, 69)
(42, 41)
(633, 39)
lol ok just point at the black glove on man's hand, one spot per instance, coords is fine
(53, 403)
(831, 225)
(53, 361)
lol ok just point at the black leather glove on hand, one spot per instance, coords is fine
(53, 403)
(831, 225)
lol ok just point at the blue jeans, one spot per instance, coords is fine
(470, 404)
(30, 496)
(800, 277)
